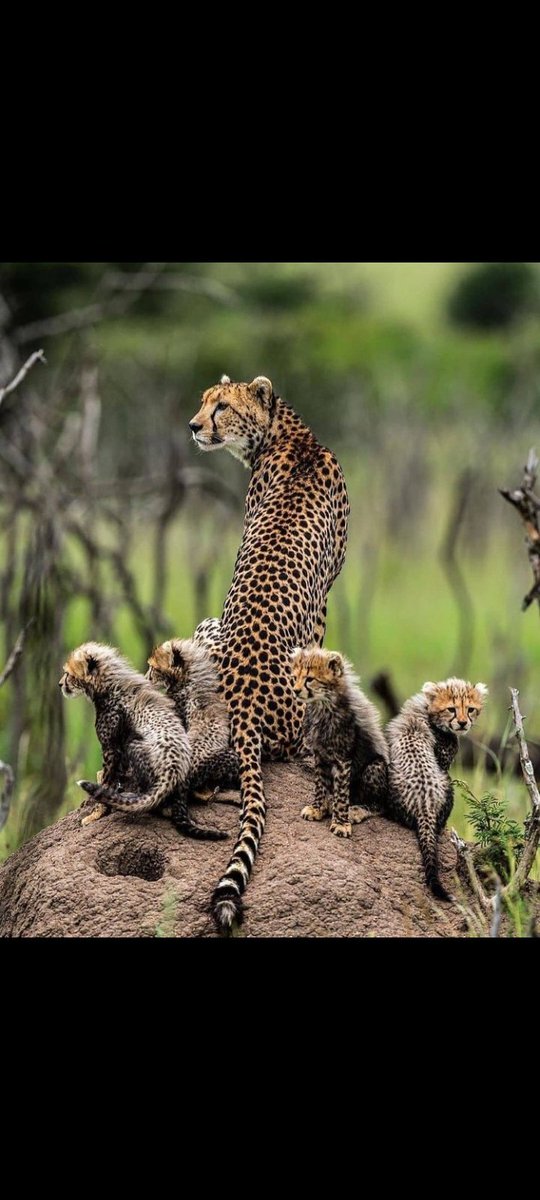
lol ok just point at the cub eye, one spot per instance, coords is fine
(471, 712)
(220, 407)
(452, 710)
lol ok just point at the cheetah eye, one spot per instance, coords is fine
(220, 407)
(452, 710)
(471, 712)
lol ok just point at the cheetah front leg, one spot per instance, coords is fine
(322, 802)
(341, 826)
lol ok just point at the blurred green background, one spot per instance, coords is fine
(424, 378)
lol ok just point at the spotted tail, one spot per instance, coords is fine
(133, 802)
(427, 832)
(226, 901)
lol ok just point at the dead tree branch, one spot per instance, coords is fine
(37, 356)
(81, 318)
(466, 852)
(532, 824)
(15, 655)
(6, 791)
(527, 504)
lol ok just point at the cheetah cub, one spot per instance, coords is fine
(186, 672)
(423, 742)
(144, 744)
(343, 729)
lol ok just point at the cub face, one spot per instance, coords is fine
(80, 670)
(167, 667)
(315, 673)
(235, 415)
(454, 704)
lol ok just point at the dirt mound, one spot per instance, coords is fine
(137, 877)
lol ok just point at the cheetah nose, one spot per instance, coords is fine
(194, 426)
(462, 724)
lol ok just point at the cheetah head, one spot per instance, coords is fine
(316, 673)
(453, 704)
(84, 667)
(167, 665)
(235, 415)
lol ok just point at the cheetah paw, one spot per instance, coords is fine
(341, 831)
(310, 813)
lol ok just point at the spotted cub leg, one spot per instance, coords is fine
(322, 802)
(341, 826)
(208, 775)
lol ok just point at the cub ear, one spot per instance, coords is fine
(335, 665)
(224, 379)
(177, 659)
(91, 664)
(482, 690)
(430, 690)
(263, 389)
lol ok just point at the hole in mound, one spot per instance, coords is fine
(132, 859)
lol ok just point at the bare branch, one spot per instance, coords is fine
(6, 791)
(37, 356)
(527, 504)
(174, 281)
(81, 318)
(465, 852)
(532, 824)
(15, 655)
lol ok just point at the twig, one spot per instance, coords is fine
(532, 824)
(15, 655)
(466, 853)
(527, 504)
(37, 356)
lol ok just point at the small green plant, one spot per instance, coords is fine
(499, 837)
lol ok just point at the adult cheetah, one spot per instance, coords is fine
(293, 547)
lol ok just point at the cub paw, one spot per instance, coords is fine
(357, 814)
(98, 811)
(310, 813)
(204, 795)
(341, 831)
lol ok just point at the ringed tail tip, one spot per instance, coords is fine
(227, 909)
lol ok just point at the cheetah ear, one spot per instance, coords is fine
(224, 379)
(91, 664)
(430, 690)
(177, 659)
(263, 389)
(482, 690)
(335, 665)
